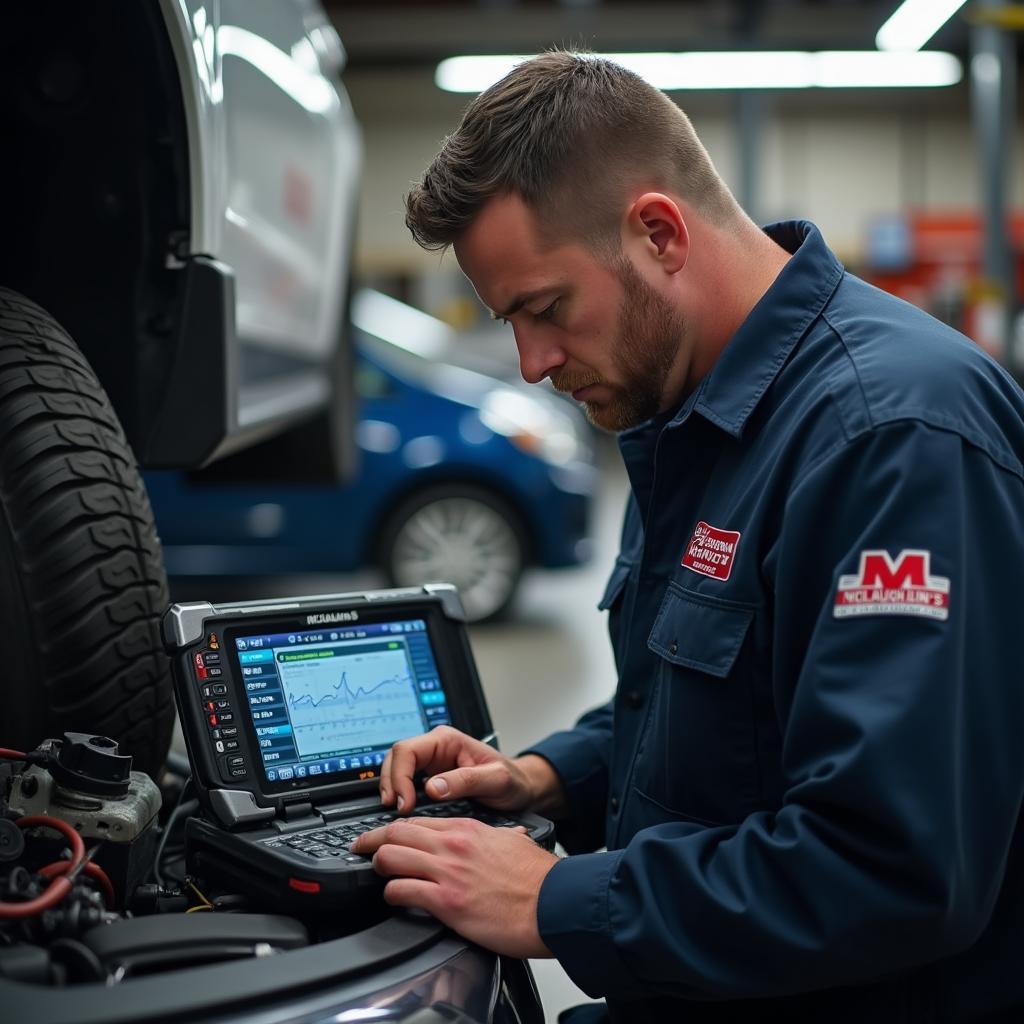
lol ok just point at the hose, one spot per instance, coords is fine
(60, 886)
(62, 867)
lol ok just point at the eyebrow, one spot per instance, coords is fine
(522, 300)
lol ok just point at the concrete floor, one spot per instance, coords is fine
(541, 667)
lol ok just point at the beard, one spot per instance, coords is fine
(648, 334)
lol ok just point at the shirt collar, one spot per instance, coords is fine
(757, 351)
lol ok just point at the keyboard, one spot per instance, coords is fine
(334, 841)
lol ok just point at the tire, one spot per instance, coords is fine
(461, 534)
(82, 583)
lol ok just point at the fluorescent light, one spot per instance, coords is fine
(846, 69)
(711, 70)
(914, 22)
(474, 74)
(773, 69)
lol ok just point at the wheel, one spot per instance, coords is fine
(461, 534)
(82, 583)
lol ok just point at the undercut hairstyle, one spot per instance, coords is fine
(571, 134)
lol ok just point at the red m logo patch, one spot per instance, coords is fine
(884, 585)
(910, 569)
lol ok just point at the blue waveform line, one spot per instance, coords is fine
(344, 692)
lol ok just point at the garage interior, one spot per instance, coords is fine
(919, 190)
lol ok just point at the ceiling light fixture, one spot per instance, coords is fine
(773, 69)
(914, 22)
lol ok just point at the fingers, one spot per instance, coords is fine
(405, 862)
(387, 794)
(481, 781)
(412, 892)
(418, 833)
(435, 749)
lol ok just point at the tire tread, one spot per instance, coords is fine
(88, 561)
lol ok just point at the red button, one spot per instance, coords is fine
(299, 885)
(212, 719)
(199, 659)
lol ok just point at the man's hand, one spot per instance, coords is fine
(461, 766)
(481, 881)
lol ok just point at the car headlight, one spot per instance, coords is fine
(532, 426)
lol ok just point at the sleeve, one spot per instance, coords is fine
(901, 751)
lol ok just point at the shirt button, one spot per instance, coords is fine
(634, 700)
(615, 805)
(673, 647)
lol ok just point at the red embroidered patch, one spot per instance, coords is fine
(711, 552)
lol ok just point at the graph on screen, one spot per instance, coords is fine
(351, 702)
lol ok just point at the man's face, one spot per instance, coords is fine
(600, 332)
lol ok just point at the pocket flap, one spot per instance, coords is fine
(693, 632)
(616, 582)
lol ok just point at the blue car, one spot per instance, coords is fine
(462, 478)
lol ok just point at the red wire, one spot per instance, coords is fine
(15, 755)
(59, 887)
(62, 867)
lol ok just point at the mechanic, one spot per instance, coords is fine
(809, 780)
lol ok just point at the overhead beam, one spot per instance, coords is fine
(380, 33)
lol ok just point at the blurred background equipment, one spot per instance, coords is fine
(788, 95)
(462, 478)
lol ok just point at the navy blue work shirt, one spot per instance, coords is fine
(809, 780)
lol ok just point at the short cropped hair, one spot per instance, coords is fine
(569, 133)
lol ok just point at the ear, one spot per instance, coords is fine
(656, 222)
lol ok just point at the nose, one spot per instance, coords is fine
(538, 356)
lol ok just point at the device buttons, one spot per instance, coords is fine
(237, 773)
(231, 731)
(236, 762)
(222, 705)
(231, 744)
(218, 689)
(211, 658)
(214, 671)
(219, 745)
(225, 716)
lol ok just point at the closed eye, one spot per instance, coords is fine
(547, 312)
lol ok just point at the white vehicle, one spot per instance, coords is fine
(179, 193)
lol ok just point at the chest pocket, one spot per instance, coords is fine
(698, 756)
